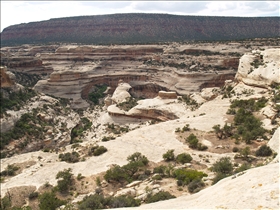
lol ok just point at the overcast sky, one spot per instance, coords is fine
(16, 12)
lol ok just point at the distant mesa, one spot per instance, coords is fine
(139, 29)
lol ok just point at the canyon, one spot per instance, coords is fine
(153, 92)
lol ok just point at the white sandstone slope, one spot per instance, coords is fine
(256, 188)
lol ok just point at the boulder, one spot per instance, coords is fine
(167, 95)
(121, 93)
(209, 93)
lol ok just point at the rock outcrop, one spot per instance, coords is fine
(260, 68)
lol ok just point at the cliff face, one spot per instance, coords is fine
(139, 28)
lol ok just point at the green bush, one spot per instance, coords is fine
(48, 201)
(68, 157)
(184, 158)
(123, 201)
(160, 196)
(195, 186)
(159, 170)
(218, 177)
(192, 140)
(33, 195)
(235, 149)
(9, 171)
(128, 172)
(116, 174)
(263, 151)
(128, 104)
(169, 155)
(187, 175)
(136, 157)
(97, 94)
(98, 201)
(223, 166)
(65, 180)
(186, 128)
(243, 167)
(97, 150)
(157, 177)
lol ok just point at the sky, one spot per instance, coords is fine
(16, 12)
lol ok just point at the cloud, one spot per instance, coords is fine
(170, 6)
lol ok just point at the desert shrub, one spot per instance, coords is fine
(187, 175)
(95, 201)
(184, 158)
(65, 180)
(5, 203)
(192, 141)
(169, 155)
(48, 201)
(157, 177)
(245, 152)
(243, 167)
(33, 195)
(189, 101)
(80, 176)
(250, 105)
(15, 99)
(248, 126)
(223, 166)
(116, 174)
(224, 132)
(106, 138)
(123, 201)
(9, 171)
(235, 149)
(201, 147)
(159, 170)
(218, 177)
(195, 186)
(186, 128)
(160, 196)
(97, 150)
(98, 201)
(128, 172)
(138, 157)
(263, 151)
(69, 157)
(128, 104)
(97, 94)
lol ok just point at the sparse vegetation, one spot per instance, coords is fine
(169, 155)
(184, 158)
(97, 201)
(15, 99)
(70, 157)
(194, 143)
(97, 150)
(223, 168)
(128, 104)
(160, 196)
(48, 201)
(97, 94)
(65, 180)
(264, 151)
(128, 172)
